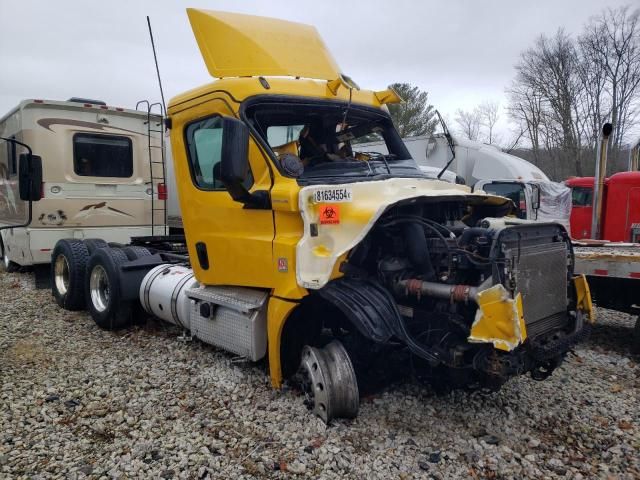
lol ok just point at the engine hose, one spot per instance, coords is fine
(469, 234)
(417, 249)
(453, 293)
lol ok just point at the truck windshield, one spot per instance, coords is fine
(319, 141)
(514, 191)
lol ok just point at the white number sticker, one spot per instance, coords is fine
(335, 195)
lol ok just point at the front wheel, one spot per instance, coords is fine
(7, 265)
(329, 382)
(102, 289)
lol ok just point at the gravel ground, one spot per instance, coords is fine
(78, 402)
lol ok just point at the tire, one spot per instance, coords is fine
(6, 264)
(2, 269)
(134, 253)
(635, 345)
(94, 244)
(102, 289)
(68, 264)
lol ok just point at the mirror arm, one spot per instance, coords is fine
(258, 200)
(252, 200)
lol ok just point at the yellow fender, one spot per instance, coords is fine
(583, 298)
(499, 319)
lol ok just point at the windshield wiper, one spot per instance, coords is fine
(449, 142)
(384, 159)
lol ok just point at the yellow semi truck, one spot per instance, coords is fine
(323, 259)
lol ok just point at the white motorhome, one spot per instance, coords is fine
(102, 176)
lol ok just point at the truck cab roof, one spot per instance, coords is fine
(239, 89)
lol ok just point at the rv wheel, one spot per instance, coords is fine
(134, 253)
(7, 265)
(68, 264)
(94, 244)
(102, 289)
(329, 382)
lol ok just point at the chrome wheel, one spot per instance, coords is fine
(61, 274)
(99, 288)
(329, 382)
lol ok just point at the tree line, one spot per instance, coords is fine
(565, 88)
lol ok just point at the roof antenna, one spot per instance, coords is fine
(155, 59)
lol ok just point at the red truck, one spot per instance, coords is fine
(610, 258)
(620, 207)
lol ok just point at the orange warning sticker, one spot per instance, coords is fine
(329, 214)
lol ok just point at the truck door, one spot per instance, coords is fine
(228, 243)
(581, 211)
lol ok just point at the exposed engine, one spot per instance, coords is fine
(436, 259)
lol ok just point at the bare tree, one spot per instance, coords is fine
(548, 72)
(488, 112)
(525, 108)
(469, 123)
(611, 50)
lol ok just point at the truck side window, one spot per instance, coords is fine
(204, 145)
(582, 196)
(102, 155)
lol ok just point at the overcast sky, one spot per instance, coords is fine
(461, 52)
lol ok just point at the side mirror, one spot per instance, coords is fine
(30, 177)
(535, 197)
(234, 164)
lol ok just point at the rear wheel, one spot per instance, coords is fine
(134, 253)
(94, 244)
(68, 264)
(102, 289)
(329, 382)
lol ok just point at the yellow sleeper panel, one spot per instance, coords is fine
(235, 45)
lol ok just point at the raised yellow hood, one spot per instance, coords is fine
(235, 45)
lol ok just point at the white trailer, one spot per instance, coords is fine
(102, 176)
(486, 167)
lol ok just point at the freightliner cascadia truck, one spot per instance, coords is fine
(324, 260)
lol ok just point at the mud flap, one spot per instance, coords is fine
(499, 319)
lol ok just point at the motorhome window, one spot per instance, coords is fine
(513, 191)
(204, 145)
(102, 155)
(582, 196)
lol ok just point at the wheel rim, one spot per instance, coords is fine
(99, 287)
(5, 260)
(329, 382)
(61, 274)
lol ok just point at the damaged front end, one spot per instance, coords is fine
(471, 305)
